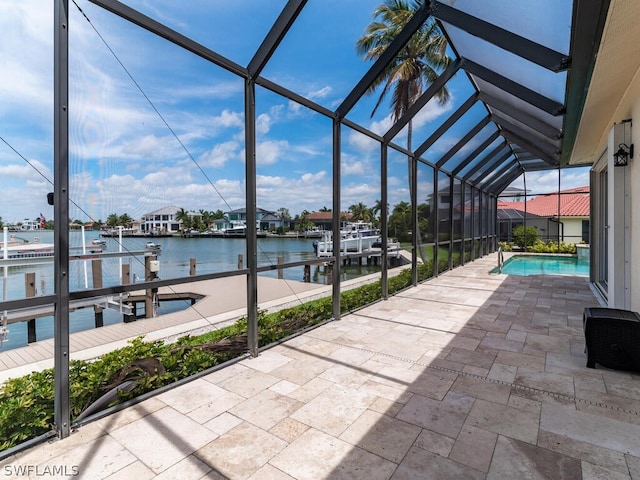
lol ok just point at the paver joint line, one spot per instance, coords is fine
(492, 380)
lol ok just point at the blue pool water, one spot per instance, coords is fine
(525, 265)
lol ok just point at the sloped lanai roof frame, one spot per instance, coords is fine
(525, 118)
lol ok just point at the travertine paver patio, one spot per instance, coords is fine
(469, 375)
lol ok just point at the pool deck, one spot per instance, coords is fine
(468, 375)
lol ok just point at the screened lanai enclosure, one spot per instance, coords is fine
(122, 109)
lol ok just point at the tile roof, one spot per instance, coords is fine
(169, 210)
(574, 202)
(319, 216)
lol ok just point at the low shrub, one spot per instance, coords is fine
(552, 247)
(506, 246)
(525, 237)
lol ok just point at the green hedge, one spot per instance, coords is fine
(552, 247)
(543, 247)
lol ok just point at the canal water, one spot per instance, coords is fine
(212, 255)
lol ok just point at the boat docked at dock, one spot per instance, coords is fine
(238, 230)
(20, 248)
(312, 233)
(355, 238)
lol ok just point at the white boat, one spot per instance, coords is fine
(152, 246)
(355, 237)
(236, 231)
(313, 233)
(19, 248)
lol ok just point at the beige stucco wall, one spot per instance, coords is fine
(573, 228)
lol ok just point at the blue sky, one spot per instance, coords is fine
(125, 157)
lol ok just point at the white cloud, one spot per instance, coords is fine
(219, 155)
(263, 124)
(25, 171)
(547, 181)
(229, 119)
(166, 176)
(295, 109)
(380, 127)
(352, 168)
(361, 192)
(148, 146)
(309, 191)
(323, 92)
(265, 181)
(270, 151)
(432, 111)
(311, 178)
(125, 193)
(26, 70)
(362, 143)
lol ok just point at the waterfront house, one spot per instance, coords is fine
(27, 224)
(240, 215)
(322, 220)
(162, 221)
(265, 220)
(271, 221)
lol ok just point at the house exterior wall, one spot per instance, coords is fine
(160, 223)
(634, 180)
(623, 216)
(573, 229)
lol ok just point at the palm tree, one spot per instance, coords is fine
(415, 67)
(359, 211)
(207, 218)
(304, 222)
(400, 221)
(125, 220)
(377, 209)
(113, 220)
(182, 215)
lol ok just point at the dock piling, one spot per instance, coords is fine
(149, 276)
(307, 274)
(96, 277)
(126, 280)
(30, 291)
(280, 272)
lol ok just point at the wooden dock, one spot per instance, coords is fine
(222, 302)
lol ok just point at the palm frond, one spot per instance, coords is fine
(416, 66)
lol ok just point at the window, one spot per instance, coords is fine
(585, 231)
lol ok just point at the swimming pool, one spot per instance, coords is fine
(525, 265)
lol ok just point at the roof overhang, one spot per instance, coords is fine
(614, 83)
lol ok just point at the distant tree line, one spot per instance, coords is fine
(399, 219)
(200, 221)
